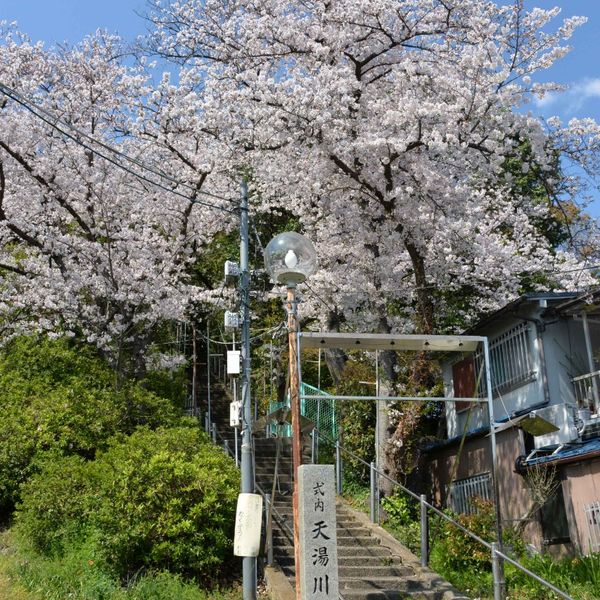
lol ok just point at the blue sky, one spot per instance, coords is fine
(56, 21)
(69, 20)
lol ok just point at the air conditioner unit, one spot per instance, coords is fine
(561, 415)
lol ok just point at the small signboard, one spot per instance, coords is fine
(318, 539)
(248, 520)
(235, 409)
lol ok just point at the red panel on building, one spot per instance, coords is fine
(463, 376)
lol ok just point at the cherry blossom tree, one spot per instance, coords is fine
(386, 127)
(86, 247)
(398, 133)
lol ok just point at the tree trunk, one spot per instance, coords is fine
(335, 358)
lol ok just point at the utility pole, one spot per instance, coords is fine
(248, 562)
(292, 310)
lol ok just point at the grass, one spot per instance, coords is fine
(356, 494)
(26, 576)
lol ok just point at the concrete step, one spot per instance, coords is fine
(365, 562)
(342, 531)
(364, 541)
(396, 593)
(396, 589)
(285, 481)
(352, 573)
(344, 551)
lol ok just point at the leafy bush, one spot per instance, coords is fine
(357, 420)
(166, 501)
(462, 550)
(55, 504)
(579, 577)
(401, 509)
(156, 500)
(403, 518)
(78, 576)
(55, 395)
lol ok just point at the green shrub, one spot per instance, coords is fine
(155, 500)
(55, 504)
(57, 396)
(458, 557)
(78, 575)
(403, 518)
(166, 500)
(357, 421)
(461, 551)
(401, 509)
(579, 577)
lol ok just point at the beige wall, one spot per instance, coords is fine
(581, 486)
(475, 460)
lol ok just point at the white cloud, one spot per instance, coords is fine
(574, 98)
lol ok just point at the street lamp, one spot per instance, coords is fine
(289, 259)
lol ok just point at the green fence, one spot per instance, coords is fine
(321, 411)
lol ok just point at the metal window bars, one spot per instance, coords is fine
(461, 492)
(586, 391)
(510, 360)
(592, 517)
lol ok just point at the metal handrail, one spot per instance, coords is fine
(490, 546)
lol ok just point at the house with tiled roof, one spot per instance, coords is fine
(545, 380)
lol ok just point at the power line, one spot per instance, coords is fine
(54, 122)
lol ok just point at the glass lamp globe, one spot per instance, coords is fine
(290, 258)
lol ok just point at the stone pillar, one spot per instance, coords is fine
(318, 538)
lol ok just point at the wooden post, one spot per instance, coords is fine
(295, 409)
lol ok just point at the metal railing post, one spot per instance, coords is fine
(313, 435)
(373, 494)
(497, 573)
(236, 442)
(338, 466)
(268, 531)
(213, 428)
(206, 424)
(226, 446)
(424, 532)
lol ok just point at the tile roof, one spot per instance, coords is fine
(572, 450)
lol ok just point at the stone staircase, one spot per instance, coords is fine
(372, 565)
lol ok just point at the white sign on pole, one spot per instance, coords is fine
(318, 539)
(233, 362)
(248, 520)
(235, 409)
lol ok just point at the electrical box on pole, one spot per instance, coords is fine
(232, 271)
(233, 362)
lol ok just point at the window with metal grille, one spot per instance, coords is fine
(592, 516)
(510, 361)
(462, 491)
